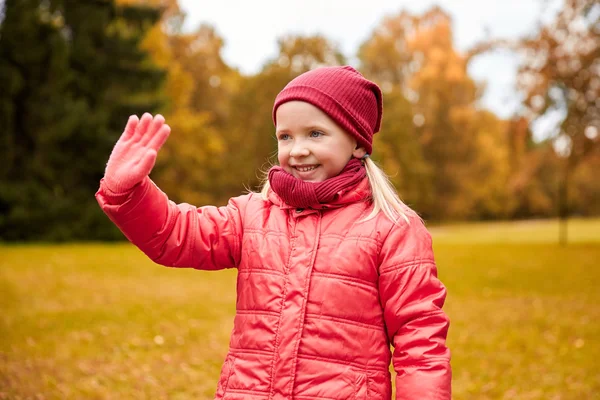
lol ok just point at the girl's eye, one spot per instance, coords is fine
(284, 136)
(315, 134)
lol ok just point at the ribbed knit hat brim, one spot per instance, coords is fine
(353, 102)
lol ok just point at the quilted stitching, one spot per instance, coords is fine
(321, 295)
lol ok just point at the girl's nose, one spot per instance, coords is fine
(299, 149)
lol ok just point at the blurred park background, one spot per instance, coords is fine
(515, 214)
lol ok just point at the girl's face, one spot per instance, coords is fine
(310, 145)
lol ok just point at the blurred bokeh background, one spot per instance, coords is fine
(490, 131)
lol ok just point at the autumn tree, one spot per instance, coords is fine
(448, 143)
(560, 77)
(530, 194)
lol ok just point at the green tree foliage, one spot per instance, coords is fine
(71, 73)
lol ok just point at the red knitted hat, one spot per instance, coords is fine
(342, 93)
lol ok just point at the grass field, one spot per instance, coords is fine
(100, 321)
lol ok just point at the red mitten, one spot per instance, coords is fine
(134, 155)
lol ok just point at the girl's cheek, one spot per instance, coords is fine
(281, 156)
(283, 147)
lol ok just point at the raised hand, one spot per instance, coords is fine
(134, 155)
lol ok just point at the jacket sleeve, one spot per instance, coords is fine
(176, 235)
(412, 298)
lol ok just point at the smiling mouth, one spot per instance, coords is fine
(306, 169)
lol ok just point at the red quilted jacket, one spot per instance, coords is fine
(321, 294)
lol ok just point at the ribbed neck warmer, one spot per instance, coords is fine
(302, 194)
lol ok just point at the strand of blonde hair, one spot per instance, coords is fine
(384, 196)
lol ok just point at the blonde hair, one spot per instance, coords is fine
(383, 195)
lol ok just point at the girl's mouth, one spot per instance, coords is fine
(306, 168)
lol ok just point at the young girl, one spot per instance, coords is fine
(332, 267)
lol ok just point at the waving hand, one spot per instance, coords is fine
(134, 155)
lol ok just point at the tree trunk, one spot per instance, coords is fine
(563, 205)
